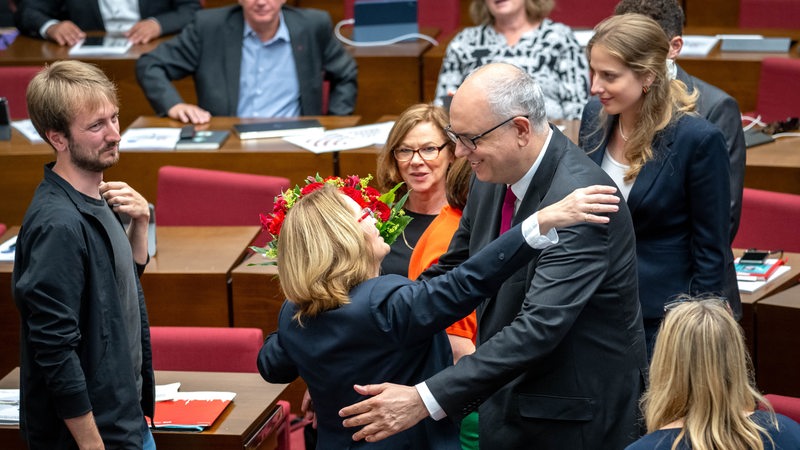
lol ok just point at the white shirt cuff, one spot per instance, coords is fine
(436, 412)
(48, 24)
(530, 230)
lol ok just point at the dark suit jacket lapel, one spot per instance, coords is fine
(662, 152)
(301, 50)
(543, 177)
(232, 58)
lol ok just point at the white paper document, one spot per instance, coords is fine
(28, 130)
(344, 138)
(694, 45)
(107, 45)
(149, 139)
(752, 286)
(9, 406)
(7, 249)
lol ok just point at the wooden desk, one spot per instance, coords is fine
(251, 418)
(27, 51)
(21, 162)
(774, 166)
(186, 283)
(778, 370)
(751, 302)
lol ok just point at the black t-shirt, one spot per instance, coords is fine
(396, 262)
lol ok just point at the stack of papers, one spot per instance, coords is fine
(344, 138)
(108, 45)
(9, 406)
(694, 45)
(752, 286)
(28, 130)
(188, 410)
(150, 139)
(7, 250)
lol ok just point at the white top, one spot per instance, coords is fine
(617, 171)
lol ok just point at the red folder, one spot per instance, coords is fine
(191, 410)
(757, 272)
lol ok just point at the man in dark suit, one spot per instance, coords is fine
(561, 356)
(256, 59)
(714, 104)
(65, 21)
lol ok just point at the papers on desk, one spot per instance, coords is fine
(753, 43)
(694, 45)
(98, 46)
(9, 406)
(752, 286)
(28, 130)
(344, 138)
(188, 410)
(149, 139)
(7, 250)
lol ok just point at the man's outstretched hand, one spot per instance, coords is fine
(391, 409)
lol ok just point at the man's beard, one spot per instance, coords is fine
(87, 161)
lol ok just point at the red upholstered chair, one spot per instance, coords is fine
(2, 228)
(777, 96)
(788, 406)
(769, 221)
(582, 13)
(769, 14)
(206, 349)
(442, 14)
(13, 84)
(201, 197)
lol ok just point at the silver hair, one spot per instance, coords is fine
(517, 94)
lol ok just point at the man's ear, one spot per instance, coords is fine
(58, 140)
(675, 46)
(524, 128)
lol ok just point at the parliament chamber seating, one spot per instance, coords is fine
(788, 406)
(769, 14)
(778, 95)
(15, 81)
(2, 228)
(769, 221)
(202, 197)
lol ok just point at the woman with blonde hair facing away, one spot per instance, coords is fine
(343, 325)
(700, 395)
(419, 154)
(670, 165)
(518, 32)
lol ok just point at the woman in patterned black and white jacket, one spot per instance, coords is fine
(518, 32)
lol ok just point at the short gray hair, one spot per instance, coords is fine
(517, 95)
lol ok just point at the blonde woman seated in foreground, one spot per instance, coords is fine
(701, 396)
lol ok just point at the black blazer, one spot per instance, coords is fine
(392, 330)
(172, 15)
(210, 50)
(680, 204)
(561, 357)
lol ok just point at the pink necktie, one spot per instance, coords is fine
(508, 210)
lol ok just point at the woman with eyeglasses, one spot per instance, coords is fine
(670, 165)
(700, 395)
(419, 154)
(343, 324)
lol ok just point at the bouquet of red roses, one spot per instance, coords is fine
(391, 220)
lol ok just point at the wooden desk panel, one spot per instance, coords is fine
(778, 370)
(186, 283)
(751, 302)
(774, 166)
(247, 414)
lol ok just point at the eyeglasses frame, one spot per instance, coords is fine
(418, 152)
(456, 138)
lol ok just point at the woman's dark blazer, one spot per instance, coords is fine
(680, 205)
(391, 331)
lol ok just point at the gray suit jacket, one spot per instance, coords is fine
(210, 50)
(561, 354)
(721, 109)
(172, 15)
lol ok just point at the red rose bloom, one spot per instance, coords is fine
(311, 188)
(276, 223)
(382, 210)
(355, 194)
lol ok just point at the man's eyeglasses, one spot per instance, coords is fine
(366, 212)
(670, 305)
(470, 142)
(427, 153)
